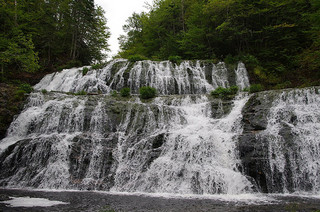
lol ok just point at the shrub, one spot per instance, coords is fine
(19, 95)
(147, 92)
(255, 88)
(136, 57)
(224, 92)
(70, 64)
(234, 90)
(26, 87)
(81, 93)
(125, 92)
(175, 59)
(229, 59)
(44, 91)
(114, 94)
(85, 71)
(286, 84)
(97, 66)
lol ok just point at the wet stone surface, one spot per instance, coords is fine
(106, 202)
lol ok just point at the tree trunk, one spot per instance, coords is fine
(75, 46)
(182, 15)
(15, 12)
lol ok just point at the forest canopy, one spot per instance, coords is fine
(279, 40)
(50, 34)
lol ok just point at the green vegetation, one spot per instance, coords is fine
(85, 71)
(44, 91)
(224, 92)
(80, 93)
(175, 59)
(50, 35)
(147, 92)
(278, 41)
(135, 58)
(26, 87)
(97, 66)
(125, 92)
(254, 88)
(114, 93)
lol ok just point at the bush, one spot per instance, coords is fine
(70, 64)
(136, 57)
(286, 84)
(85, 71)
(97, 66)
(175, 59)
(224, 92)
(255, 88)
(234, 90)
(230, 60)
(19, 95)
(44, 91)
(147, 92)
(26, 87)
(81, 93)
(114, 94)
(125, 92)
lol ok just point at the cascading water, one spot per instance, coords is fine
(198, 155)
(189, 143)
(292, 134)
(186, 78)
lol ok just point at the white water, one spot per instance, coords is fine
(167, 78)
(177, 144)
(199, 155)
(298, 112)
(31, 202)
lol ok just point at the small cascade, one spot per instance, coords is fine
(186, 78)
(292, 134)
(242, 79)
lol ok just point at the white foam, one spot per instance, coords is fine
(32, 202)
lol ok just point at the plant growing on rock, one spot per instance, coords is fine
(125, 92)
(255, 88)
(80, 93)
(85, 71)
(147, 92)
(224, 92)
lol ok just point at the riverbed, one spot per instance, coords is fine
(108, 202)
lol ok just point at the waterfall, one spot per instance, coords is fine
(198, 155)
(183, 141)
(293, 133)
(186, 78)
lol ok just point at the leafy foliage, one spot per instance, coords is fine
(81, 93)
(255, 88)
(174, 59)
(97, 66)
(114, 93)
(275, 38)
(85, 71)
(57, 34)
(224, 92)
(26, 87)
(136, 57)
(125, 92)
(147, 92)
